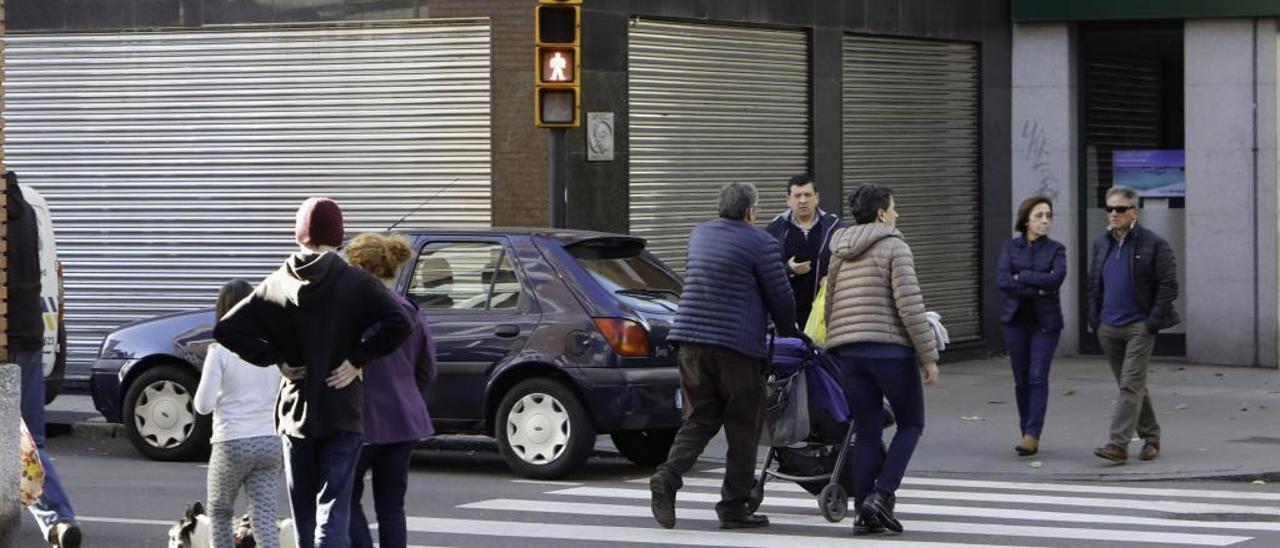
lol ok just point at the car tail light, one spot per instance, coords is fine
(628, 338)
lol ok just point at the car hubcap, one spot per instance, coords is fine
(163, 414)
(538, 429)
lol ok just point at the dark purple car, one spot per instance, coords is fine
(544, 339)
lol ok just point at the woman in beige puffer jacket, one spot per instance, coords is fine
(876, 327)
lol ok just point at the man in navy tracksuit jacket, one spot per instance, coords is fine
(804, 232)
(733, 285)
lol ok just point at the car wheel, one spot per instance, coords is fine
(160, 417)
(647, 448)
(542, 429)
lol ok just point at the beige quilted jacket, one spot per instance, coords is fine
(873, 294)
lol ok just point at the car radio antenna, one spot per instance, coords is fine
(424, 202)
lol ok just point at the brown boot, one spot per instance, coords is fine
(1150, 450)
(1027, 447)
(1113, 453)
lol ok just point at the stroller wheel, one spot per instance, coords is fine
(757, 497)
(834, 503)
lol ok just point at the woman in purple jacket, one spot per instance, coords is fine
(395, 409)
(1032, 268)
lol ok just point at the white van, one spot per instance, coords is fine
(51, 296)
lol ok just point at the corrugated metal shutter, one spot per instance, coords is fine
(1124, 111)
(173, 161)
(911, 119)
(711, 105)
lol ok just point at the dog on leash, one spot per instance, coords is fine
(195, 531)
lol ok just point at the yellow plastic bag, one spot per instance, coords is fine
(31, 484)
(816, 327)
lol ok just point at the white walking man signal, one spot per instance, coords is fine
(558, 64)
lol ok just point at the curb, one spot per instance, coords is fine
(97, 429)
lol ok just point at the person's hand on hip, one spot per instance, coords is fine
(344, 375)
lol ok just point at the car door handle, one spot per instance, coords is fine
(506, 331)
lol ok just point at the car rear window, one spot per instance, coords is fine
(623, 267)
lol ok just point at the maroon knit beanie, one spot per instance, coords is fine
(319, 222)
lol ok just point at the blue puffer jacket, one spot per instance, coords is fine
(1040, 267)
(733, 283)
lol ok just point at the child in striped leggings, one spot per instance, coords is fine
(246, 449)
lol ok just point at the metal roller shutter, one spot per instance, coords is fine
(711, 105)
(173, 161)
(911, 119)
(1124, 112)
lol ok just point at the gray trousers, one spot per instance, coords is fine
(254, 464)
(1128, 349)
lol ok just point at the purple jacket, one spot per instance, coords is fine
(395, 386)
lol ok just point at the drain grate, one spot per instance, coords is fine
(1258, 439)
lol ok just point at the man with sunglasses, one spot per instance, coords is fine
(1132, 286)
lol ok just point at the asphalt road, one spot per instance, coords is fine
(463, 496)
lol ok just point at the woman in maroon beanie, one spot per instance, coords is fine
(395, 409)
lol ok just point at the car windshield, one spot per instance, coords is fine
(623, 267)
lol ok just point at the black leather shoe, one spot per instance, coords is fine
(880, 508)
(863, 526)
(745, 521)
(662, 501)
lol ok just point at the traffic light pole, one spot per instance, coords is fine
(556, 177)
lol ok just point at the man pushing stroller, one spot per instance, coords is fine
(720, 330)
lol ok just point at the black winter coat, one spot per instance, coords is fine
(26, 322)
(1155, 277)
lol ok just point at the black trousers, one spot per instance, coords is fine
(720, 387)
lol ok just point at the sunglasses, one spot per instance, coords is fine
(1118, 209)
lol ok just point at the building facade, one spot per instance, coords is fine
(173, 138)
(1179, 100)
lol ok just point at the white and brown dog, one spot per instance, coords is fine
(194, 531)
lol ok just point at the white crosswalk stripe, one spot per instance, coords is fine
(1068, 488)
(649, 535)
(1015, 498)
(935, 511)
(587, 509)
(972, 513)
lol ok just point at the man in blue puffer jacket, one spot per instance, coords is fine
(734, 283)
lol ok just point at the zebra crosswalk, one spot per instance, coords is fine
(935, 511)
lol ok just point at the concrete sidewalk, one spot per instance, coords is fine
(1217, 422)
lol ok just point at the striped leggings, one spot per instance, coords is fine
(254, 463)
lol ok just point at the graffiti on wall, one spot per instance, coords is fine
(1037, 155)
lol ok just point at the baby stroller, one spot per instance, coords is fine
(817, 461)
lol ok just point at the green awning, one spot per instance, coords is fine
(1085, 10)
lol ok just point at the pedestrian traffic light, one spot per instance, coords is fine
(557, 77)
